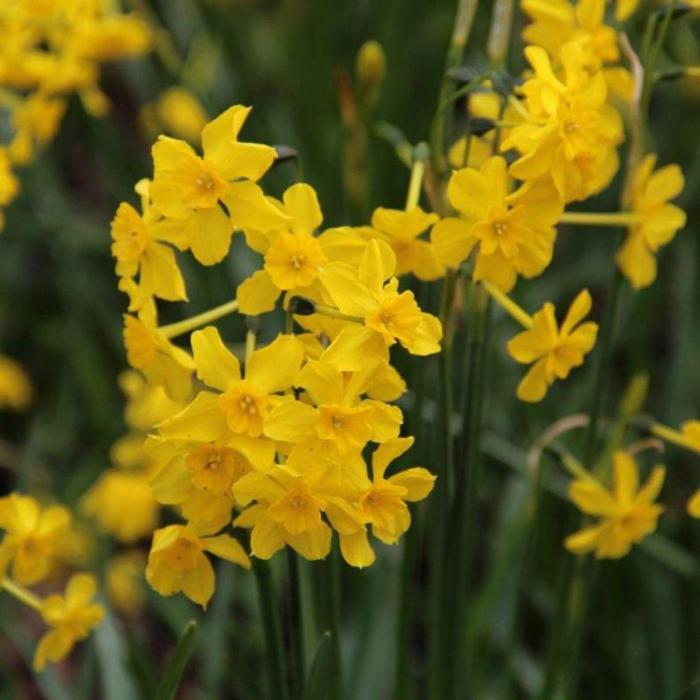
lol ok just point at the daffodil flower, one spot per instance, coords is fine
(370, 293)
(177, 561)
(656, 221)
(71, 617)
(189, 189)
(627, 512)
(32, 537)
(513, 233)
(553, 349)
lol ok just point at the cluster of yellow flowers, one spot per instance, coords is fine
(280, 439)
(49, 51)
(32, 550)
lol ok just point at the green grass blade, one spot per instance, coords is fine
(171, 679)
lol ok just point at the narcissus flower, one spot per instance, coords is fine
(513, 233)
(124, 582)
(32, 535)
(555, 350)
(15, 387)
(383, 503)
(656, 221)
(402, 230)
(189, 189)
(572, 132)
(625, 9)
(149, 351)
(370, 294)
(71, 618)
(177, 562)
(140, 248)
(627, 512)
(181, 114)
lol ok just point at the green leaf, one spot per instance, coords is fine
(171, 680)
(111, 654)
(318, 683)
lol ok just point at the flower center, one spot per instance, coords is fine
(205, 182)
(500, 228)
(386, 318)
(247, 403)
(570, 126)
(298, 260)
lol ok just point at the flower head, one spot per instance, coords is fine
(71, 617)
(656, 220)
(553, 349)
(627, 512)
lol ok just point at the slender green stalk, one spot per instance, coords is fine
(440, 502)
(332, 565)
(462, 527)
(21, 593)
(403, 674)
(296, 628)
(174, 329)
(277, 667)
(586, 218)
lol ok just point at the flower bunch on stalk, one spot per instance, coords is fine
(277, 441)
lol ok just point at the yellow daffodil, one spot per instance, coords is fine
(572, 133)
(555, 350)
(558, 22)
(656, 221)
(31, 537)
(140, 248)
(189, 189)
(244, 403)
(624, 9)
(370, 294)
(293, 255)
(383, 503)
(401, 230)
(124, 582)
(694, 505)
(9, 184)
(513, 233)
(627, 512)
(71, 618)
(35, 123)
(198, 476)
(146, 405)
(177, 562)
(180, 114)
(149, 351)
(15, 388)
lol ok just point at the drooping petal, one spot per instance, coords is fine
(258, 294)
(228, 548)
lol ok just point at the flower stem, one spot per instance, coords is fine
(174, 329)
(277, 671)
(22, 594)
(508, 305)
(298, 667)
(621, 218)
(417, 172)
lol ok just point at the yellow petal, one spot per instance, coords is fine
(212, 237)
(694, 505)
(302, 205)
(216, 365)
(452, 240)
(533, 386)
(417, 481)
(275, 367)
(377, 265)
(257, 295)
(250, 209)
(356, 549)
(468, 192)
(578, 310)
(387, 453)
(226, 547)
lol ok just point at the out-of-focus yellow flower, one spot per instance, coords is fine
(627, 512)
(31, 537)
(624, 9)
(112, 37)
(554, 350)
(124, 579)
(149, 351)
(35, 123)
(9, 184)
(187, 188)
(370, 64)
(572, 133)
(694, 505)
(180, 114)
(71, 618)
(656, 221)
(15, 387)
(513, 233)
(147, 405)
(122, 504)
(402, 230)
(370, 294)
(177, 562)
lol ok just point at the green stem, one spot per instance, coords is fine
(439, 504)
(403, 675)
(296, 629)
(332, 566)
(21, 593)
(277, 668)
(174, 329)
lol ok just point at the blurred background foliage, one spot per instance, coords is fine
(60, 316)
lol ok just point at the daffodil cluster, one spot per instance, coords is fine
(294, 439)
(51, 50)
(31, 551)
